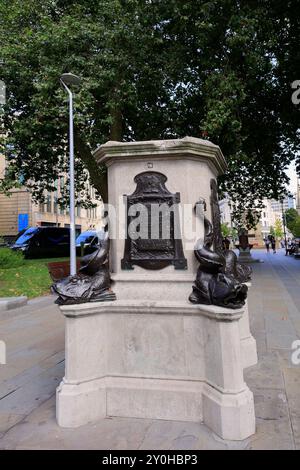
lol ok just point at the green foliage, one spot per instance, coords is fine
(293, 221)
(225, 229)
(272, 230)
(278, 229)
(228, 231)
(290, 217)
(296, 227)
(152, 70)
(10, 259)
(234, 233)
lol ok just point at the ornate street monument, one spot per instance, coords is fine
(170, 337)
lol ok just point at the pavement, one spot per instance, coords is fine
(34, 336)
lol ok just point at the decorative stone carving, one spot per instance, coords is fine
(240, 272)
(213, 286)
(92, 284)
(166, 248)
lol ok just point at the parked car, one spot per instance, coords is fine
(44, 242)
(90, 240)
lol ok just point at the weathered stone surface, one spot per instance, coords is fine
(292, 384)
(155, 360)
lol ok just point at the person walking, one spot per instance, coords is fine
(267, 244)
(226, 243)
(273, 244)
(288, 247)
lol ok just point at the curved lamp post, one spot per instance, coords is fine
(284, 226)
(70, 79)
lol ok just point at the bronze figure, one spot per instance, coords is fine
(91, 284)
(213, 285)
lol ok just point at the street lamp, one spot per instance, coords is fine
(70, 79)
(284, 226)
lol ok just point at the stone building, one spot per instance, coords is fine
(271, 212)
(225, 212)
(297, 196)
(18, 211)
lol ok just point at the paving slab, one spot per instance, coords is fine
(292, 385)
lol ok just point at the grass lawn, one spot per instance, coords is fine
(31, 279)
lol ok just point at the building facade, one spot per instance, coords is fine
(18, 211)
(297, 196)
(272, 211)
(225, 212)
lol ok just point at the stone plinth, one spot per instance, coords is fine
(151, 353)
(248, 343)
(156, 360)
(245, 256)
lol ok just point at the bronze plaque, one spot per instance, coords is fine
(153, 234)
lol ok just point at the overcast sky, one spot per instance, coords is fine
(291, 172)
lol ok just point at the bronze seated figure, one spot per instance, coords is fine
(216, 285)
(91, 284)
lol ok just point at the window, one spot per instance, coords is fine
(78, 210)
(24, 238)
(48, 202)
(61, 183)
(55, 205)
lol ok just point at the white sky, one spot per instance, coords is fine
(291, 172)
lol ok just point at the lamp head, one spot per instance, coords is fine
(70, 79)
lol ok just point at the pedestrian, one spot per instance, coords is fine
(273, 244)
(267, 244)
(226, 243)
(288, 247)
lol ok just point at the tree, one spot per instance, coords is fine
(290, 217)
(293, 221)
(296, 227)
(220, 69)
(278, 229)
(225, 229)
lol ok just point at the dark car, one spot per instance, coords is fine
(90, 241)
(44, 242)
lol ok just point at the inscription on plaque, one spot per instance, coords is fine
(153, 238)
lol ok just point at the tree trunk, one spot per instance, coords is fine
(98, 174)
(116, 130)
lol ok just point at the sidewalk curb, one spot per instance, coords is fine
(9, 303)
